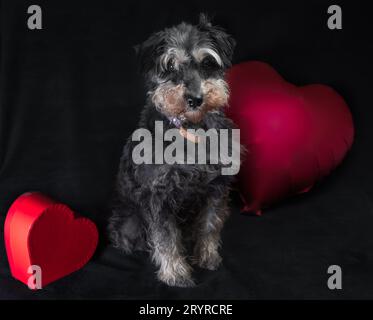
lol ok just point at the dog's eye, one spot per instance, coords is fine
(209, 63)
(170, 66)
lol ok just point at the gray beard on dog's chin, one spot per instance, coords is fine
(194, 116)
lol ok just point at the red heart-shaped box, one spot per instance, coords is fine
(294, 135)
(41, 232)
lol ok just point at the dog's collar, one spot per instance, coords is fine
(178, 123)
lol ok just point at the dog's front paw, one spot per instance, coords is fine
(176, 273)
(210, 260)
(176, 280)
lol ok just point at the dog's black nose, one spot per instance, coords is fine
(194, 102)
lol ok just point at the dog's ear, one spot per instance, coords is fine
(149, 51)
(225, 44)
(221, 40)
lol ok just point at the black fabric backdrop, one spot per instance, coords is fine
(70, 95)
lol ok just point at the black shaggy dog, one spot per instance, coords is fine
(177, 211)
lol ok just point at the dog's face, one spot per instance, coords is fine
(185, 66)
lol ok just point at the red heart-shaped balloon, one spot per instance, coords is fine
(294, 135)
(41, 232)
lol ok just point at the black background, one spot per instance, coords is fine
(70, 95)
